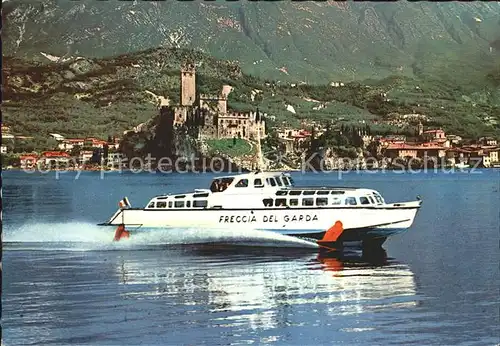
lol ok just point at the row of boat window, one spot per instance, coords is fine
(220, 185)
(179, 201)
(321, 201)
(259, 183)
(200, 203)
(368, 199)
(308, 192)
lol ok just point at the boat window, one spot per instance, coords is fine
(188, 204)
(198, 195)
(170, 204)
(378, 198)
(290, 180)
(364, 200)
(268, 202)
(281, 193)
(295, 192)
(285, 181)
(271, 181)
(280, 202)
(293, 202)
(225, 184)
(258, 183)
(308, 201)
(179, 204)
(151, 205)
(242, 183)
(321, 201)
(161, 204)
(336, 200)
(219, 185)
(278, 181)
(308, 193)
(214, 187)
(371, 199)
(323, 192)
(161, 197)
(350, 201)
(337, 192)
(200, 203)
(180, 196)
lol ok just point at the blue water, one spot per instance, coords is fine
(66, 282)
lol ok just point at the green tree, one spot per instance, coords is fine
(75, 151)
(9, 159)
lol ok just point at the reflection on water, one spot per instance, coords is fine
(254, 282)
(246, 291)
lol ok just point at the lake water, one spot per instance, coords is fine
(66, 282)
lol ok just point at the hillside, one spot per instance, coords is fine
(96, 96)
(101, 97)
(316, 42)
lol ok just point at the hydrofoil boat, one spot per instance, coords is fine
(270, 201)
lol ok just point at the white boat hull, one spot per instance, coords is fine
(359, 223)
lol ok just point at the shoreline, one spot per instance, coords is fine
(154, 171)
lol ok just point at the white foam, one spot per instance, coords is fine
(194, 236)
(58, 232)
(96, 237)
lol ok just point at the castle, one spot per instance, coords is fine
(210, 114)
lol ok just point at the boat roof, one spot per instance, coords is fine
(319, 187)
(256, 174)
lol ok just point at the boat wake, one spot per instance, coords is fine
(81, 236)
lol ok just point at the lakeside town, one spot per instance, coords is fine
(433, 144)
(214, 122)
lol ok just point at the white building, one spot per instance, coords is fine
(56, 136)
(115, 159)
(68, 144)
(85, 156)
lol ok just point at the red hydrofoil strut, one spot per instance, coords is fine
(121, 233)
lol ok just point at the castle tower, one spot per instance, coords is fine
(222, 103)
(188, 84)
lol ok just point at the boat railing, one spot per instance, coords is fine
(202, 190)
(320, 188)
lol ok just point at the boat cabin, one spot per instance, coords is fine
(266, 190)
(255, 180)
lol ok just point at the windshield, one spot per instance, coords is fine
(219, 185)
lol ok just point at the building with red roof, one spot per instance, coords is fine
(90, 142)
(28, 161)
(54, 158)
(434, 135)
(481, 155)
(404, 150)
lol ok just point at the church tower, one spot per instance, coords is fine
(188, 84)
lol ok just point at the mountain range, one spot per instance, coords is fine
(94, 67)
(311, 41)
